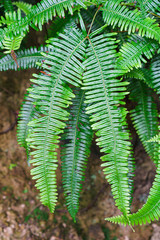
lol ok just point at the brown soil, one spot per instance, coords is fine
(21, 214)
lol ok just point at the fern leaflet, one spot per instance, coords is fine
(75, 152)
(115, 14)
(52, 96)
(145, 117)
(104, 93)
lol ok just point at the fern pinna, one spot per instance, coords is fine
(102, 52)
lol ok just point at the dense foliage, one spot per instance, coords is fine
(97, 53)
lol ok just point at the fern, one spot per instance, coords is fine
(145, 117)
(55, 96)
(23, 6)
(150, 211)
(39, 14)
(115, 14)
(25, 58)
(26, 114)
(131, 53)
(90, 50)
(78, 134)
(152, 5)
(155, 68)
(104, 92)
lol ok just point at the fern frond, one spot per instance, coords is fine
(145, 116)
(12, 44)
(104, 92)
(52, 96)
(39, 14)
(155, 139)
(150, 210)
(136, 74)
(75, 153)
(25, 58)
(132, 21)
(26, 114)
(23, 6)
(152, 5)
(132, 52)
(11, 17)
(155, 73)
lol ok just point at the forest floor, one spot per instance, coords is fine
(21, 214)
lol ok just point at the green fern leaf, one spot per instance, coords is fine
(131, 53)
(11, 17)
(150, 211)
(154, 73)
(75, 153)
(152, 5)
(26, 114)
(115, 14)
(23, 6)
(25, 58)
(52, 96)
(12, 44)
(105, 93)
(145, 116)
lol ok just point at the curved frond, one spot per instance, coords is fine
(104, 93)
(133, 52)
(52, 96)
(78, 135)
(26, 114)
(145, 116)
(39, 14)
(132, 21)
(155, 73)
(25, 58)
(150, 210)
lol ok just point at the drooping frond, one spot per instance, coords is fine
(116, 14)
(133, 52)
(52, 96)
(150, 210)
(26, 114)
(25, 58)
(104, 93)
(39, 14)
(78, 135)
(145, 116)
(155, 73)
